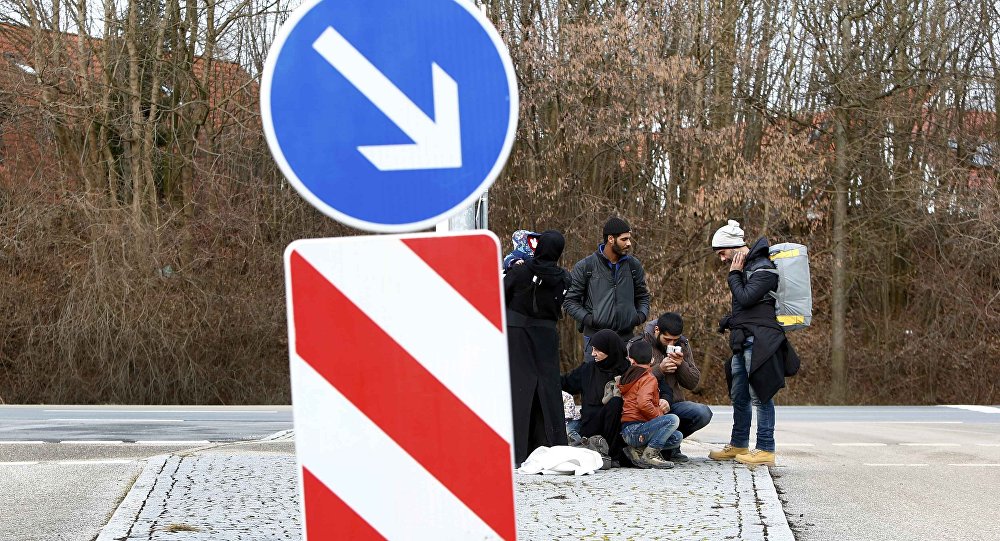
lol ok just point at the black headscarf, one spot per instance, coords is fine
(609, 342)
(547, 254)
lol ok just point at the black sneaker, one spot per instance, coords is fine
(675, 455)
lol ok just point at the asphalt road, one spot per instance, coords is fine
(865, 473)
(114, 424)
(884, 473)
(64, 469)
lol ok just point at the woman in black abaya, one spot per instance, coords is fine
(534, 294)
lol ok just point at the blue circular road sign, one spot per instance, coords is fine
(389, 115)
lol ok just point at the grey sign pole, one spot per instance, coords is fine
(474, 217)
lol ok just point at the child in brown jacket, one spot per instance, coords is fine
(647, 428)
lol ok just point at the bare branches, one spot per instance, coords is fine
(141, 214)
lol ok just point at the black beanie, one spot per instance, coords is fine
(615, 226)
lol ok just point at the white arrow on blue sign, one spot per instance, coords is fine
(389, 115)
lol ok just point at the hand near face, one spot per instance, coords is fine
(738, 259)
(675, 358)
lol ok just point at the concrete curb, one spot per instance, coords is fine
(769, 506)
(120, 525)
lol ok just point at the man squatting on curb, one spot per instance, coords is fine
(675, 371)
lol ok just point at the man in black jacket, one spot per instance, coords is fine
(608, 287)
(761, 354)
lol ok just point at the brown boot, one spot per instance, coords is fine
(728, 453)
(756, 457)
(653, 459)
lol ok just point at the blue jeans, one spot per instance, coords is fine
(743, 396)
(693, 416)
(573, 430)
(659, 433)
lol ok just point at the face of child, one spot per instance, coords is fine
(600, 355)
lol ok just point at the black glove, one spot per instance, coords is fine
(724, 323)
(588, 321)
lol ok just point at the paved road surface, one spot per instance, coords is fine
(867, 473)
(880, 473)
(53, 424)
(64, 469)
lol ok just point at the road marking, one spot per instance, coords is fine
(980, 409)
(859, 444)
(72, 462)
(898, 465)
(796, 445)
(288, 434)
(173, 442)
(93, 442)
(988, 444)
(92, 462)
(26, 442)
(224, 411)
(917, 422)
(119, 421)
(931, 444)
(976, 465)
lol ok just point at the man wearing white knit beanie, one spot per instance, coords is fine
(756, 370)
(728, 236)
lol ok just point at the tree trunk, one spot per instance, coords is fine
(841, 181)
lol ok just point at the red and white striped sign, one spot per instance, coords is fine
(400, 387)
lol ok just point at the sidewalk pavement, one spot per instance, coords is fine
(248, 491)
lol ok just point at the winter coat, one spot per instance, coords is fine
(640, 393)
(534, 292)
(539, 297)
(606, 295)
(772, 357)
(687, 376)
(588, 380)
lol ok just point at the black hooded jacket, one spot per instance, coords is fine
(534, 292)
(537, 288)
(753, 315)
(589, 378)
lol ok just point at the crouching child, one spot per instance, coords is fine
(647, 428)
(572, 414)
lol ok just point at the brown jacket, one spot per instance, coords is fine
(640, 393)
(687, 375)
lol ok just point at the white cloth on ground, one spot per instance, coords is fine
(562, 460)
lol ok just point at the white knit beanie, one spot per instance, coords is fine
(728, 236)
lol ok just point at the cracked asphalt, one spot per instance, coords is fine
(246, 491)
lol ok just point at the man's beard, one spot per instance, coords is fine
(619, 251)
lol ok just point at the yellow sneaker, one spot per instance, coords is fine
(756, 458)
(727, 453)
